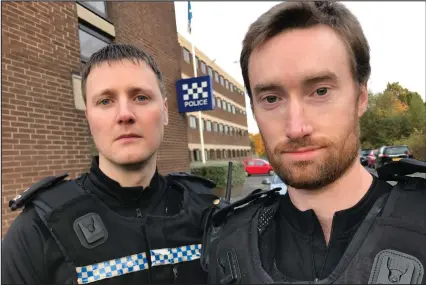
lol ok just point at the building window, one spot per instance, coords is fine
(219, 103)
(203, 67)
(90, 42)
(202, 125)
(209, 126)
(216, 76)
(226, 84)
(215, 127)
(192, 122)
(197, 63)
(220, 128)
(210, 71)
(233, 109)
(197, 155)
(232, 88)
(229, 108)
(226, 130)
(231, 130)
(186, 55)
(99, 7)
(221, 81)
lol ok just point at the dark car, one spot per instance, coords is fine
(363, 154)
(388, 154)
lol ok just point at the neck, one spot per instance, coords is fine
(342, 194)
(129, 175)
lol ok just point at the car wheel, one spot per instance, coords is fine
(247, 175)
(271, 172)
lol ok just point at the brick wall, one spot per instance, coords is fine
(42, 132)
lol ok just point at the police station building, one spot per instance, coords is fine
(224, 125)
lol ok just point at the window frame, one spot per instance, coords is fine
(98, 13)
(94, 34)
(189, 55)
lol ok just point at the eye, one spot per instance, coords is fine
(104, 102)
(271, 99)
(141, 98)
(321, 91)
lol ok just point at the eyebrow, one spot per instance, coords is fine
(264, 87)
(320, 77)
(131, 90)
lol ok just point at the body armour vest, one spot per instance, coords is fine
(106, 248)
(388, 248)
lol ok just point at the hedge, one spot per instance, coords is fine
(218, 172)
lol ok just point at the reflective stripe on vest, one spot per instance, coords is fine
(136, 262)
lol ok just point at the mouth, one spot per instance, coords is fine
(302, 150)
(303, 154)
(128, 137)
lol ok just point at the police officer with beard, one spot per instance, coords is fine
(306, 66)
(122, 222)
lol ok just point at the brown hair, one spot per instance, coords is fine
(117, 52)
(293, 15)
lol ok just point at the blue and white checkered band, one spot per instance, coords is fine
(175, 255)
(136, 262)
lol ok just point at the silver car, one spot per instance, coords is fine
(276, 182)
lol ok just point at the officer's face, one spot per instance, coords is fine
(126, 111)
(307, 105)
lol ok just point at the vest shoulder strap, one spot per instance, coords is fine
(28, 195)
(194, 183)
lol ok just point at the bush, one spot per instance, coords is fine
(218, 172)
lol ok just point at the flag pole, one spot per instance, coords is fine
(194, 66)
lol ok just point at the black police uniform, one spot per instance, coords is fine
(93, 230)
(265, 239)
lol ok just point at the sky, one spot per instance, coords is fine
(395, 32)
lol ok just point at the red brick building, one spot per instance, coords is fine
(44, 46)
(225, 129)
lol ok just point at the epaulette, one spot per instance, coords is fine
(28, 194)
(189, 176)
(256, 196)
(396, 170)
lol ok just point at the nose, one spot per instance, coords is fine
(125, 114)
(297, 123)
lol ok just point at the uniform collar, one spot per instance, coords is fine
(344, 221)
(126, 195)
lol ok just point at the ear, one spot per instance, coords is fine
(362, 100)
(166, 112)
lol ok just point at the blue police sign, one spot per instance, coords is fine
(195, 94)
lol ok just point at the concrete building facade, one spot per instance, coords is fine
(225, 128)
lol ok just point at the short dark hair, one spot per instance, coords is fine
(117, 52)
(303, 14)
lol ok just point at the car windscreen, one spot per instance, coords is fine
(396, 150)
(364, 152)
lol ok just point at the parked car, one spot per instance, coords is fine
(371, 158)
(257, 166)
(363, 153)
(275, 182)
(387, 154)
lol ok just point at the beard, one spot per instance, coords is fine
(317, 173)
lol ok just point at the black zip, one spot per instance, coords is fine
(148, 253)
(138, 213)
(175, 273)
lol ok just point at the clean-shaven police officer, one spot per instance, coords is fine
(305, 67)
(123, 222)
